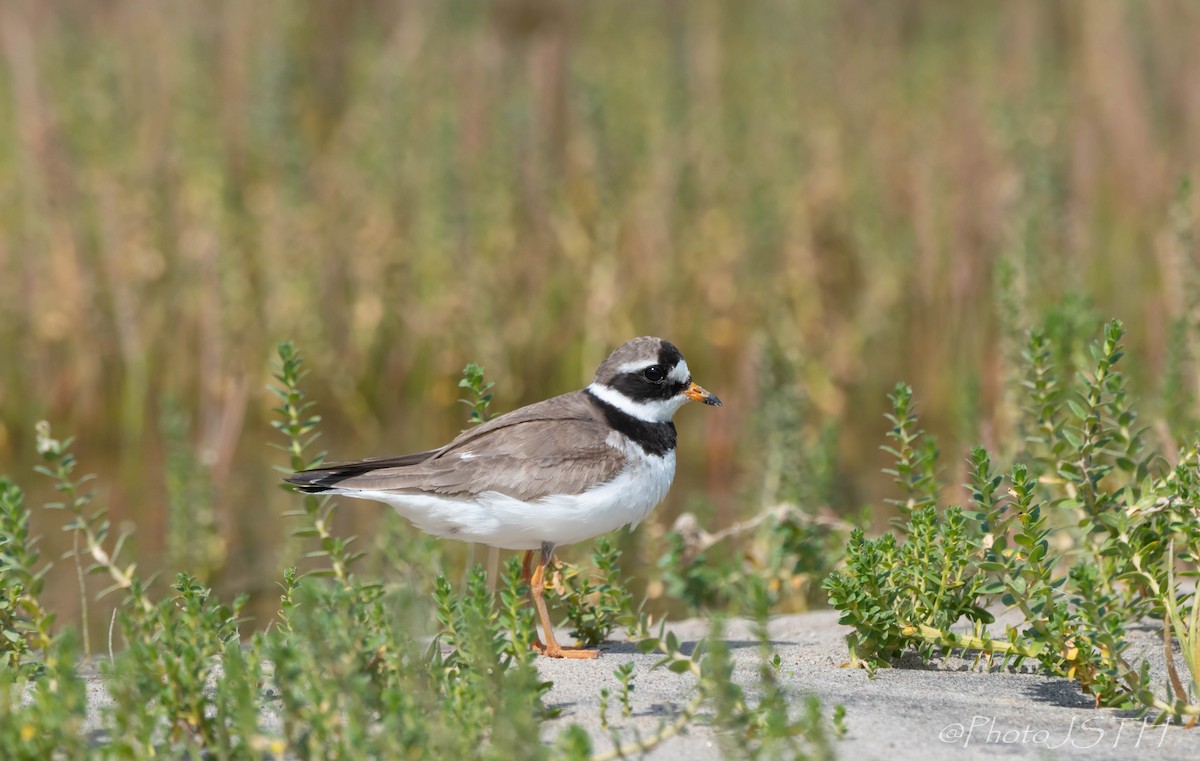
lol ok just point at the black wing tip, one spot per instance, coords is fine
(313, 489)
(314, 481)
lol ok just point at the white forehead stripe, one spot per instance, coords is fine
(654, 411)
(635, 367)
(680, 373)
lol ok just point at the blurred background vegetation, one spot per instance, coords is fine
(812, 199)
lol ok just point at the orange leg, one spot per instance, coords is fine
(537, 587)
(527, 577)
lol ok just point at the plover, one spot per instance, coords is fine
(553, 473)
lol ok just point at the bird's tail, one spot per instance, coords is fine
(326, 478)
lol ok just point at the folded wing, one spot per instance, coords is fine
(554, 447)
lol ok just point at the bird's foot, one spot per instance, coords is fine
(579, 653)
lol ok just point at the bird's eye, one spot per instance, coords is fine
(654, 373)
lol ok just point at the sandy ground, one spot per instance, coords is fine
(913, 711)
(910, 712)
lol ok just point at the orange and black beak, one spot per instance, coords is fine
(698, 394)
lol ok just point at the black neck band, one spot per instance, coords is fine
(654, 438)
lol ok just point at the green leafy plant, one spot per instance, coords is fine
(768, 728)
(915, 454)
(839, 721)
(516, 615)
(695, 576)
(43, 718)
(598, 603)
(299, 429)
(354, 678)
(624, 675)
(89, 528)
(160, 683)
(1092, 481)
(24, 623)
(1183, 623)
(604, 696)
(480, 391)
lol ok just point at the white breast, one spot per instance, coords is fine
(510, 523)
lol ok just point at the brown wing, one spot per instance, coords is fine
(553, 447)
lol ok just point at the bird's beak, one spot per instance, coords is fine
(698, 394)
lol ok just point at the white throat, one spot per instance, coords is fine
(654, 411)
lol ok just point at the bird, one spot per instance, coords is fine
(549, 474)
